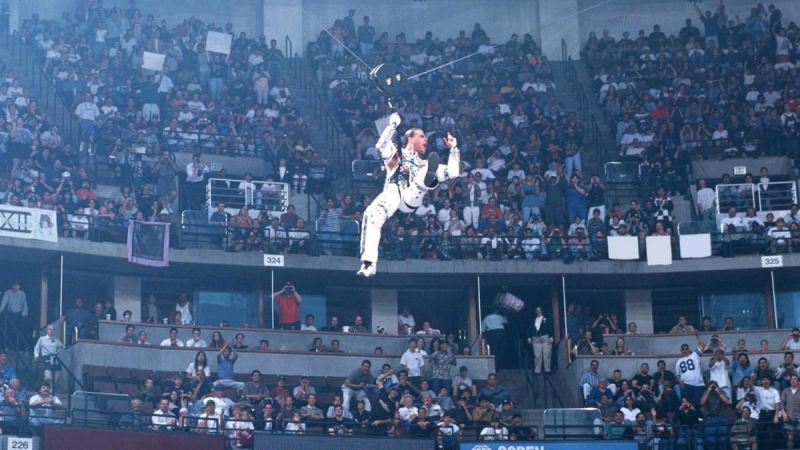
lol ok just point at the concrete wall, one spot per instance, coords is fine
(298, 341)
(282, 363)
(629, 365)
(666, 344)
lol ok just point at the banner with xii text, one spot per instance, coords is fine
(28, 223)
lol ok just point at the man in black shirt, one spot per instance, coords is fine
(383, 412)
(643, 377)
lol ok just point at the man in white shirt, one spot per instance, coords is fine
(247, 188)
(405, 321)
(172, 340)
(210, 420)
(792, 342)
(732, 222)
(425, 209)
(46, 348)
(706, 201)
(413, 361)
(768, 400)
(495, 431)
(87, 112)
(42, 405)
(196, 341)
(195, 178)
(308, 325)
(443, 216)
(162, 418)
(494, 333)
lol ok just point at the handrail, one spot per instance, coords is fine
(563, 49)
(288, 49)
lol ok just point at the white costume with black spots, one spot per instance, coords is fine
(404, 188)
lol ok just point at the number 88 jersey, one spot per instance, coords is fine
(689, 371)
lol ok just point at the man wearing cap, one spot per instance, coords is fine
(408, 179)
(288, 301)
(355, 385)
(448, 434)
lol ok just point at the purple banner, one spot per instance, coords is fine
(148, 243)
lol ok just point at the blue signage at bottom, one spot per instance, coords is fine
(550, 445)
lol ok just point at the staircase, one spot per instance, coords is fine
(31, 75)
(326, 136)
(574, 92)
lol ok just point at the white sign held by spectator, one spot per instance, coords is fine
(28, 223)
(218, 42)
(659, 251)
(695, 245)
(273, 260)
(623, 247)
(772, 261)
(740, 170)
(153, 61)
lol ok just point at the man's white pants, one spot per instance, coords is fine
(472, 215)
(348, 394)
(384, 206)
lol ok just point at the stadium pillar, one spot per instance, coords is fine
(384, 309)
(639, 309)
(472, 315)
(128, 296)
(43, 295)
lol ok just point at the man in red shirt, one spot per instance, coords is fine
(288, 302)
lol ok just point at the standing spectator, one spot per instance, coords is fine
(355, 385)
(14, 307)
(706, 201)
(790, 406)
(494, 333)
(542, 340)
(226, 360)
(442, 361)
(690, 373)
(288, 301)
(413, 361)
(195, 182)
(184, 307)
(78, 320)
(716, 404)
(45, 351)
(87, 113)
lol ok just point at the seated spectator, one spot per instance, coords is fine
(255, 391)
(792, 342)
(682, 327)
(172, 340)
(493, 392)
(333, 325)
(162, 418)
(334, 347)
(308, 324)
(494, 432)
(303, 390)
(196, 340)
(358, 325)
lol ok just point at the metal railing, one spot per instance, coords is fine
(622, 172)
(237, 193)
(221, 144)
(763, 197)
(43, 86)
